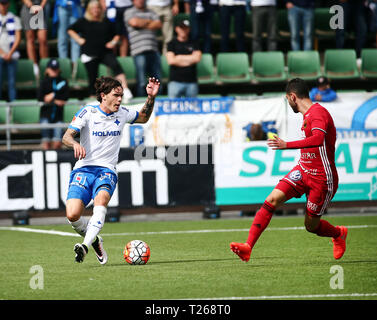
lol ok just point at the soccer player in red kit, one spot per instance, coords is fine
(315, 175)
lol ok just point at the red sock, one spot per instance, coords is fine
(325, 229)
(261, 220)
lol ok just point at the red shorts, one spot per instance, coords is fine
(318, 192)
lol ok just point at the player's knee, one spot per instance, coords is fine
(311, 227)
(276, 198)
(74, 210)
(73, 215)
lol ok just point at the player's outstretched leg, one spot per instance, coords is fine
(99, 250)
(340, 243)
(261, 220)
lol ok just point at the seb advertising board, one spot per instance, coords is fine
(246, 173)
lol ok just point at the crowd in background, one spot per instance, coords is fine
(99, 31)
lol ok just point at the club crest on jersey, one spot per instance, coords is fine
(305, 124)
(117, 122)
(295, 175)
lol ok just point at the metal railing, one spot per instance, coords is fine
(9, 126)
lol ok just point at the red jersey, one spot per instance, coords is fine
(318, 146)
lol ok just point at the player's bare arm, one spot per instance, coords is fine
(69, 141)
(152, 90)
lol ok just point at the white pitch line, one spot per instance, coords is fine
(220, 230)
(71, 234)
(304, 296)
(54, 232)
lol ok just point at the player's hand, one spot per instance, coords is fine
(153, 86)
(276, 143)
(79, 151)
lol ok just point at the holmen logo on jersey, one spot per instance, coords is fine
(106, 133)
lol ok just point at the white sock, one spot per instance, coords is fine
(95, 224)
(80, 226)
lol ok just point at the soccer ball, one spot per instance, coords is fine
(137, 252)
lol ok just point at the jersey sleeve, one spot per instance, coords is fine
(130, 115)
(80, 119)
(315, 140)
(320, 121)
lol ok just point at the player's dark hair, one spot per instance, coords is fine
(105, 85)
(299, 87)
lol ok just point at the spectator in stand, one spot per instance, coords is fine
(10, 37)
(53, 92)
(67, 12)
(237, 9)
(182, 56)
(142, 25)
(115, 11)
(354, 16)
(264, 18)
(322, 91)
(166, 12)
(35, 27)
(97, 37)
(201, 12)
(301, 16)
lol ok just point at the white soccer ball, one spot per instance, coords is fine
(137, 252)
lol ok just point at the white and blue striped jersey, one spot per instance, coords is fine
(100, 134)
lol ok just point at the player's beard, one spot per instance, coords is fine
(293, 106)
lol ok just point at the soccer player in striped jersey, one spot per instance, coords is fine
(94, 174)
(315, 175)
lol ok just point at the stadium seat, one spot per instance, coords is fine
(232, 67)
(104, 70)
(206, 69)
(340, 64)
(165, 69)
(69, 111)
(129, 69)
(27, 113)
(369, 63)
(25, 78)
(268, 66)
(81, 79)
(3, 115)
(65, 67)
(322, 30)
(303, 64)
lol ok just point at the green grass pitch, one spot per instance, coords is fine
(189, 263)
